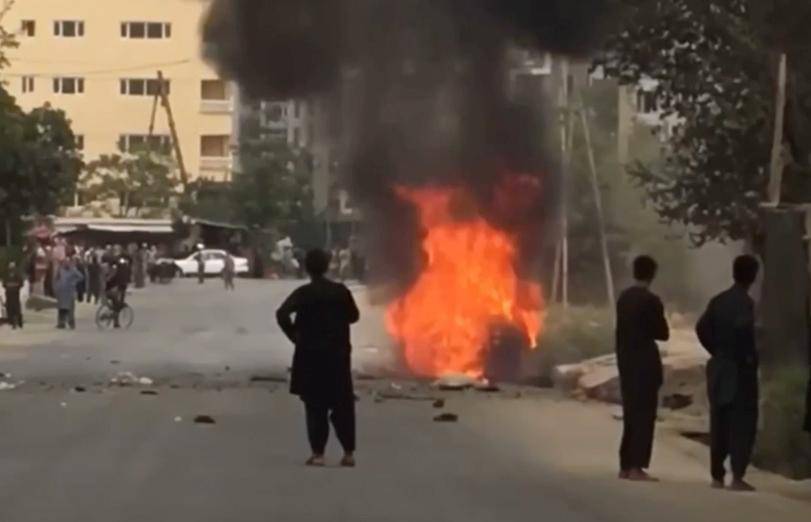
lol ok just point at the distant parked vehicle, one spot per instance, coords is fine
(214, 264)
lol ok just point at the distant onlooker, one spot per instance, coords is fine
(67, 279)
(13, 284)
(229, 272)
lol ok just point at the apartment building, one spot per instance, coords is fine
(99, 61)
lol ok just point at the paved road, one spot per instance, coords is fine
(115, 455)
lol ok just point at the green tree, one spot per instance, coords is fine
(139, 181)
(7, 40)
(273, 189)
(715, 64)
(39, 162)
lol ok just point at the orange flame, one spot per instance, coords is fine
(468, 284)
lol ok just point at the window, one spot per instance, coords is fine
(68, 85)
(29, 28)
(143, 86)
(214, 90)
(148, 30)
(78, 139)
(28, 83)
(214, 146)
(68, 28)
(646, 102)
(142, 142)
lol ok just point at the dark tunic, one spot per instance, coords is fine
(640, 323)
(324, 311)
(727, 331)
(12, 285)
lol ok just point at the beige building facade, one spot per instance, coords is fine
(98, 60)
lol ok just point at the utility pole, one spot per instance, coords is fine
(776, 174)
(184, 175)
(598, 202)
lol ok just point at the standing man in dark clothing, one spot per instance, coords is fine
(727, 331)
(201, 266)
(640, 323)
(13, 284)
(322, 369)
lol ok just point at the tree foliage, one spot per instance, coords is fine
(141, 180)
(715, 66)
(273, 188)
(7, 40)
(39, 161)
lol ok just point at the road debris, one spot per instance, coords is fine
(63, 404)
(149, 392)
(5, 386)
(439, 404)
(455, 382)
(204, 419)
(79, 389)
(178, 419)
(130, 379)
(446, 417)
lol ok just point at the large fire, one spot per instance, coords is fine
(467, 286)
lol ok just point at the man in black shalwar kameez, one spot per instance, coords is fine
(727, 331)
(322, 370)
(640, 323)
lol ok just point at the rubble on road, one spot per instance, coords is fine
(204, 419)
(79, 389)
(130, 379)
(683, 362)
(439, 404)
(5, 386)
(455, 382)
(446, 417)
(149, 392)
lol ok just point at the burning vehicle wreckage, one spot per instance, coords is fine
(455, 176)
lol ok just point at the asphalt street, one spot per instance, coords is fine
(108, 453)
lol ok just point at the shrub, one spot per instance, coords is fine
(783, 446)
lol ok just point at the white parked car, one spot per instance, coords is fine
(214, 260)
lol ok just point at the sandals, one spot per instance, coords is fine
(316, 462)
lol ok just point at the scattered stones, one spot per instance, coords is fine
(174, 386)
(130, 379)
(228, 368)
(446, 417)
(178, 419)
(79, 389)
(5, 386)
(63, 404)
(149, 392)
(115, 362)
(204, 419)
(439, 404)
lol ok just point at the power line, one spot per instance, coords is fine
(99, 71)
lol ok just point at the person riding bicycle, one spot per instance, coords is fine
(116, 289)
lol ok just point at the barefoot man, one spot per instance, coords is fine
(727, 331)
(640, 323)
(322, 369)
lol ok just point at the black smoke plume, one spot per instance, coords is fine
(422, 98)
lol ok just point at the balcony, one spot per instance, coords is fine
(216, 163)
(217, 106)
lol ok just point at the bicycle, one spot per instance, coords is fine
(106, 315)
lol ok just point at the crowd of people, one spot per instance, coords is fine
(72, 274)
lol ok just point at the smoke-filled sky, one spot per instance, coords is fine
(422, 96)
